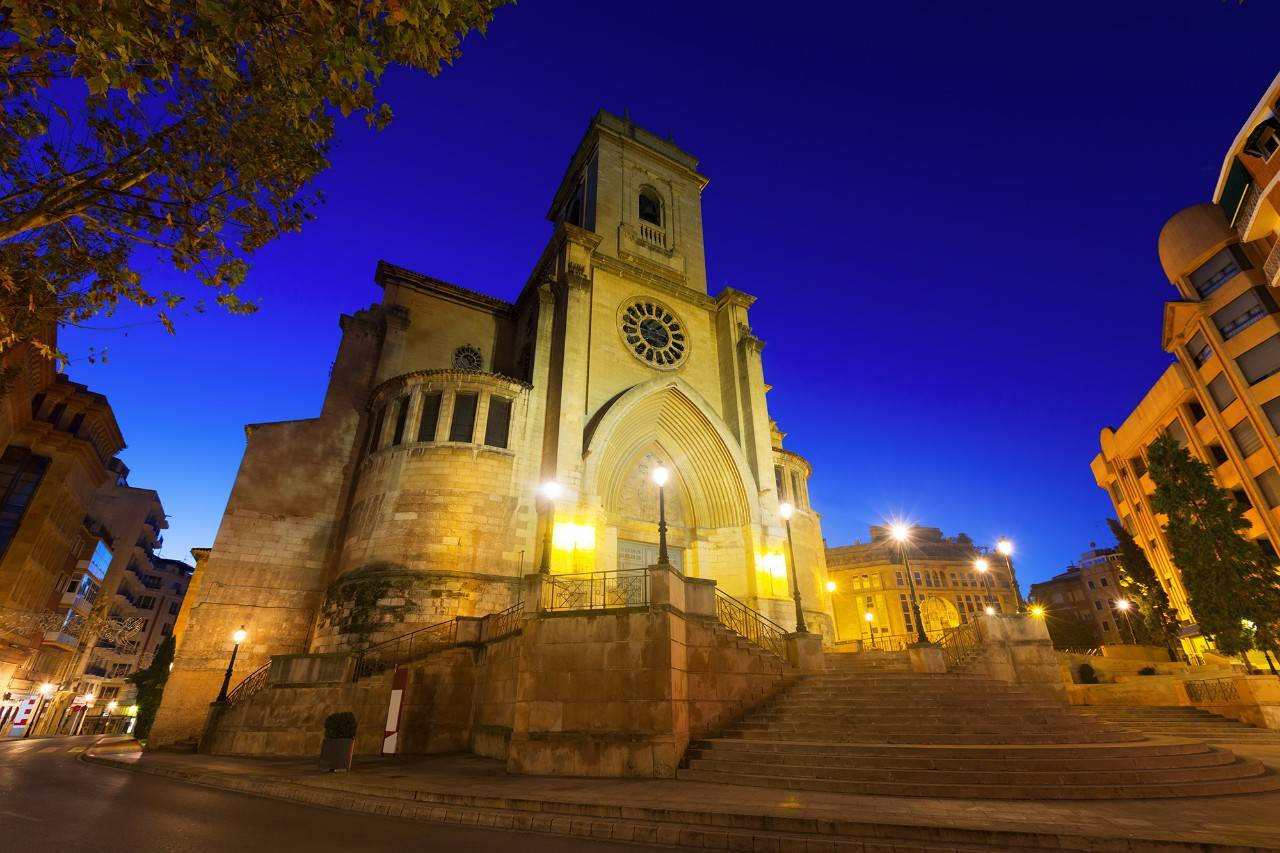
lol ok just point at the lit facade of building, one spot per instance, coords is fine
(1088, 591)
(447, 409)
(871, 602)
(1221, 397)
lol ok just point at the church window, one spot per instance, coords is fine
(375, 436)
(463, 427)
(777, 479)
(20, 475)
(795, 488)
(650, 207)
(467, 357)
(430, 417)
(498, 426)
(653, 333)
(402, 414)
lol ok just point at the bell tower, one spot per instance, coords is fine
(642, 195)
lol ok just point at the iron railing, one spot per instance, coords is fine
(255, 682)
(407, 647)
(883, 642)
(495, 626)
(750, 624)
(596, 590)
(957, 643)
(1211, 690)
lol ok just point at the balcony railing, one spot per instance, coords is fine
(750, 624)
(1272, 266)
(1211, 690)
(1248, 207)
(596, 590)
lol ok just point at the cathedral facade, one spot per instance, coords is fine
(418, 494)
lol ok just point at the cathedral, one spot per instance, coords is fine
(465, 442)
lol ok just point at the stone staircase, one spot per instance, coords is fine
(874, 727)
(1182, 722)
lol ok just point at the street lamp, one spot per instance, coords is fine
(660, 476)
(550, 491)
(1005, 547)
(238, 637)
(785, 511)
(982, 566)
(1037, 610)
(1123, 606)
(870, 617)
(902, 534)
(991, 611)
(43, 693)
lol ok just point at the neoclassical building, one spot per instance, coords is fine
(415, 495)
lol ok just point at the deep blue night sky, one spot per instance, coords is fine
(947, 210)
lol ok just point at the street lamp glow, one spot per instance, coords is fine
(991, 611)
(981, 565)
(46, 688)
(785, 510)
(1037, 610)
(111, 706)
(869, 616)
(831, 586)
(551, 489)
(900, 531)
(660, 476)
(1122, 604)
(239, 636)
(1005, 547)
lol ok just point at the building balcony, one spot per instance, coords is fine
(77, 602)
(1272, 267)
(61, 640)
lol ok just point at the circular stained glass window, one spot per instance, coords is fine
(653, 333)
(467, 357)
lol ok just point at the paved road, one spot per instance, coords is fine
(51, 801)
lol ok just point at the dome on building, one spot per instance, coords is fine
(1189, 235)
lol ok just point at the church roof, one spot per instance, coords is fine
(389, 273)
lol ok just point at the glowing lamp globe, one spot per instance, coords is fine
(552, 490)
(869, 616)
(46, 688)
(785, 510)
(831, 586)
(900, 532)
(1004, 546)
(1122, 604)
(991, 611)
(660, 476)
(980, 564)
(239, 636)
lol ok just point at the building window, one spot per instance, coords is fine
(174, 607)
(20, 475)
(1199, 349)
(1103, 581)
(1221, 391)
(1176, 431)
(76, 423)
(898, 577)
(778, 480)
(1091, 586)
(795, 488)
(1106, 626)
(55, 416)
(1218, 270)
(1196, 412)
(1261, 361)
(1246, 438)
(37, 403)
(498, 427)
(1114, 488)
(147, 602)
(376, 434)
(430, 417)
(166, 629)
(1097, 605)
(1264, 141)
(1242, 498)
(1240, 313)
(1269, 483)
(650, 207)
(402, 413)
(463, 427)
(1139, 466)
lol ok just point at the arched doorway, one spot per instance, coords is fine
(938, 615)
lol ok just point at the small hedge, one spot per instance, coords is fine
(1147, 670)
(1087, 674)
(340, 725)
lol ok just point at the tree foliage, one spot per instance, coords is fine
(1232, 583)
(1157, 622)
(1068, 630)
(150, 683)
(192, 127)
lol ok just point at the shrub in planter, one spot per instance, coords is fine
(1087, 674)
(339, 741)
(1147, 670)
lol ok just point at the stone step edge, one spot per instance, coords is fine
(819, 835)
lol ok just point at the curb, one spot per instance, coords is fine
(661, 826)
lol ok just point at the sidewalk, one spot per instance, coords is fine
(469, 790)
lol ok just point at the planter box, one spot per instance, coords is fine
(335, 753)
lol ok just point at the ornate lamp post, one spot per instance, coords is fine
(238, 636)
(902, 534)
(870, 617)
(785, 511)
(550, 490)
(660, 476)
(1005, 547)
(1123, 606)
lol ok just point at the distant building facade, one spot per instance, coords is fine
(1088, 592)
(871, 599)
(1221, 397)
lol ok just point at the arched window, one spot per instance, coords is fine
(650, 206)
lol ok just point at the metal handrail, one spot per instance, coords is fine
(956, 641)
(405, 648)
(495, 626)
(1209, 690)
(596, 590)
(252, 684)
(751, 625)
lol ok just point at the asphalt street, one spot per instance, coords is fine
(49, 800)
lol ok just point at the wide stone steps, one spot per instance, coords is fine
(955, 735)
(1182, 722)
